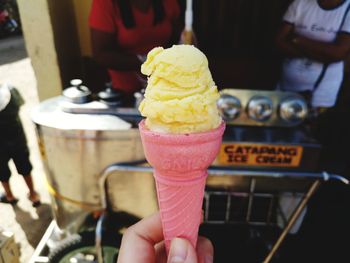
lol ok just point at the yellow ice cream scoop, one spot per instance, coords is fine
(181, 95)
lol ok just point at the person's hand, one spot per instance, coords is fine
(293, 37)
(143, 243)
(189, 38)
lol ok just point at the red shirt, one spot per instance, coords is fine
(105, 16)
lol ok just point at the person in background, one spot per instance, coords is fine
(315, 40)
(13, 145)
(142, 243)
(124, 31)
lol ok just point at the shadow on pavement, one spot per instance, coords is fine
(12, 49)
(34, 228)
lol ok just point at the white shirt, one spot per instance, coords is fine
(300, 74)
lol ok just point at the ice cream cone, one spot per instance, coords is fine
(180, 163)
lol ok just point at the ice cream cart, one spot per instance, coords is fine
(260, 183)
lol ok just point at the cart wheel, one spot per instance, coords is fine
(81, 248)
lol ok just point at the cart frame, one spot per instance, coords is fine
(136, 166)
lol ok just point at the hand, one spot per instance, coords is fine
(293, 38)
(143, 243)
(189, 38)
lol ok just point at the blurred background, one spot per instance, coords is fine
(51, 45)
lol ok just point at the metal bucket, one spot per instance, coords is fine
(75, 148)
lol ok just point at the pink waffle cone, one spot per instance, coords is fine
(180, 163)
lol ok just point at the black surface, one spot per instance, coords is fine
(323, 236)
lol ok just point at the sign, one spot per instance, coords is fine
(242, 154)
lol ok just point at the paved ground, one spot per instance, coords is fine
(27, 223)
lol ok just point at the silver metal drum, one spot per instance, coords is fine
(75, 149)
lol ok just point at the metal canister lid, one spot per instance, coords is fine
(77, 93)
(110, 96)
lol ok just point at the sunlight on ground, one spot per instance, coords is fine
(27, 223)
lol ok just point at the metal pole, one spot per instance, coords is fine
(37, 255)
(98, 239)
(292, 219)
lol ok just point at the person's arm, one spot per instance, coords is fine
(283, 41)
(321, 51)
(106, 53)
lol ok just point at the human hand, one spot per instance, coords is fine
(293, 38)
(143, 243)
(189, 38)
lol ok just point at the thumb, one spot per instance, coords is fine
(181, 251)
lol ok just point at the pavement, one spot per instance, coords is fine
(26, 222)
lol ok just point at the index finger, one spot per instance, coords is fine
(139, 240)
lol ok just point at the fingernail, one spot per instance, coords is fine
(209, 259)
(178, 251)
